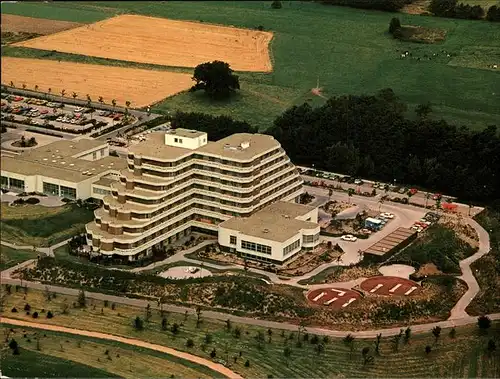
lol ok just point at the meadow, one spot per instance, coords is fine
(463, 355)
(347, 50)
(11, 257)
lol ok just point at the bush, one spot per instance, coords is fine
(393, 26)
(276, 4)
(213, 353)
(27, 307)
(49, 314)
(189, 342)
(247, 363)
(35, 315)
(32, 200)
(14, 310)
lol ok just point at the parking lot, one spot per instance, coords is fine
(58, 116)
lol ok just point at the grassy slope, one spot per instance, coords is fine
(35, 364)
(10, 257)
(450, 358)
(39, 225)
(346, 48)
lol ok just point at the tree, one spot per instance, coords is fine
(319, 348)
(453, 333)
(175, 329)
(82, 302)
(394, 25)
(349, 341)
(113, 103)
(378, 339)
(189, 342)
(148, 314)
(407, 335)
(213, 353)
(63, 92)
(36, 87)
(436, 331)
(74, 95)
(350, 192)
(24, 85)
(443, 8)
(198, 316)
(13, 344)
(228, 325)
(365, 352)
(395, 342)
(164, 323)
(138, 323)
(247, 363)
(423, 110)
(492, 15)
(216, 78)
(12, 84)
(208, 338)
(276, 4)
(492, 346)
(483, 322)
(101, 100)
(428, 349)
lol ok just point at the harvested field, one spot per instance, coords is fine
(141, 87)
(16, 24)
(163, 42)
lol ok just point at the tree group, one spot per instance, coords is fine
(216, 79)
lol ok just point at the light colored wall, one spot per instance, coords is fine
(313, 215)
(89, 154)
(187, 142)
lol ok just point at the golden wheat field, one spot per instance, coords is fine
(163, 42)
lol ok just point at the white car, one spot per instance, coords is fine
(348, 237)
(417, 228)
(358, 182)
(387, 215)
(425, 221)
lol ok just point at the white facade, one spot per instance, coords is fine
(187, 139)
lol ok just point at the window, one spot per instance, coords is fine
(102, 153)
(50, 189)
(232, 240)
(293, 246)
(94, 155)
(16, 183)
(5, 181)
(310, 238)
(176, 140)
(256, 247)
(180, 140)
(68, 192)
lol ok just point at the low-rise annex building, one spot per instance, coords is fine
(75, 169)
(177, 182)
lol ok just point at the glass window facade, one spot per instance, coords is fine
(68, 192)
(5, 181)
(293, 246)
(101, 191)
(310, 238)
(256, 247)
(16, 183)
(232, 240)
(50, 189)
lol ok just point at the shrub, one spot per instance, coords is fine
(394, 25)
(49, 314)
(14, 310)
(483, 322)
(189, 342)
(27, 307)
(32, 200)
(35, 315)
(276, 4)
(213, 353)
(138, 323)
(247, 363)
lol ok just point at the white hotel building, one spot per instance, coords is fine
(242, 188)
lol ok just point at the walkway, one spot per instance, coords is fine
(129, 341)
(49, 251)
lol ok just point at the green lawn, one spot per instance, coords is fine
(11, 257)
(347, 49)
(464, 356)
(42, 226)
(32, 364)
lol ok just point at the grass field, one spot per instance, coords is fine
(89, 359)
(347, 49)
(32, 364)
(141, 87)
(465, 356)
(42, 226)
(11, 257)
(189, 43)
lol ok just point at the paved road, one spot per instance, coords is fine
(129, 341)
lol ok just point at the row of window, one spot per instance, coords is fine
(293, 246)
(101, 191)
(310, 238)
(264, 249)
(206, 158)
(167, 217)
(12, 183)
(57, 190)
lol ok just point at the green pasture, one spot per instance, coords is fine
(347, 50)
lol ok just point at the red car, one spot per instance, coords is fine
(413, 191)
(44, 111)
(18, 98)
(437, 196)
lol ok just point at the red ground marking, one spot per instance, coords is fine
(388, 283)
(333, 298)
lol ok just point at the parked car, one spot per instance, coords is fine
(387, 215)
(348, 237)
(437, 196)
(358, 182)
(413, 191)
(44, 111)
(403, 190)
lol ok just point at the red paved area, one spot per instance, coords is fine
(334, 298)
(390, 286)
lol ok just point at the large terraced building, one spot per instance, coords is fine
(177, 182)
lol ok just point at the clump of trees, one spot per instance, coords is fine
(217, 127)
(381, 5)
(276, 4)
(394, 25)
(453, 9)
(370, 136)
(216, 79)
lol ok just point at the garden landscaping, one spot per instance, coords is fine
(10, 257)
(258, 352)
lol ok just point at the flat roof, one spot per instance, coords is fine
(188, 133)
(276, 222)
(373, 220)
(240, 146)
(105, 181)
(237, 147)
(56, 161)
(390, 241)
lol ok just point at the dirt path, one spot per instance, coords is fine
(129, 341)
